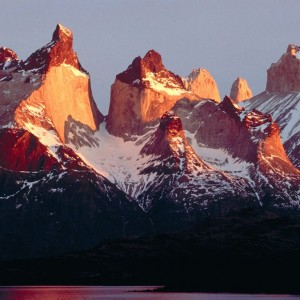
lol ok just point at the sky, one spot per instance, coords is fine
(229, 38)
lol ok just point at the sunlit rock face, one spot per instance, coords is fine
(240, 90)
(284, 76)
(201, 83)
(62, 88)
(141, 94)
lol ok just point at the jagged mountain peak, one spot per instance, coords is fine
(58, 51)
(284, 75)
(149, 72)
(169, 150)
(152, 61)
(170, 127)
(62, 33)
(260, 125)
(49, 88)
(230, 107)
(141, 94)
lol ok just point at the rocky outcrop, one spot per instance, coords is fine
(284, 76)
(141, 94)
(240, 90)
(169, 144)
(8, 62)
(8, 59)
(64, 90)
(201, 83)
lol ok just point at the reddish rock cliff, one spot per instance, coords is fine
(141, 94)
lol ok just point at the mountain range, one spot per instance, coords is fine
(169, 153)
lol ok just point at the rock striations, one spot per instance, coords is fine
(240, 90)
(168, 155)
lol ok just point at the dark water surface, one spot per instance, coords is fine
(118, 293)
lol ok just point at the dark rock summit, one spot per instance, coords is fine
(58, 51)
(136, 73)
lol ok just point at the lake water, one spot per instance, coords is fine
(118, 293)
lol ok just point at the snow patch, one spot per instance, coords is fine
(161, 84)
(117, 160)
(49, 138)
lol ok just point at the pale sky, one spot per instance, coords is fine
(229, 38)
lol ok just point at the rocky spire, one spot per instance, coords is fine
(284, 76)
(170, 145)
(62, 33)
(64, 89)
(201, 83)
(141, 94)
(58, 51)
(240, 90)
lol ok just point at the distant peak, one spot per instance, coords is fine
(62, 33)
(240, 90)
(202, 84)
(153, 58)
